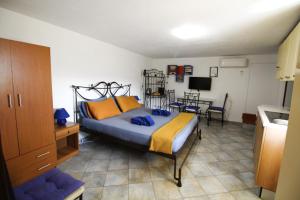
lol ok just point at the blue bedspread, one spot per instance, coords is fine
(120, 127)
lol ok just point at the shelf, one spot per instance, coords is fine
(65, 153)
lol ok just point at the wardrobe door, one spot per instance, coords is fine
(33, 95)
(8, 129)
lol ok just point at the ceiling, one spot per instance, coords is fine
(233, 27)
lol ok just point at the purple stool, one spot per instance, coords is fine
(53, 185)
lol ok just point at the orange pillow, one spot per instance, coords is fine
(103, 109)
(127, 103)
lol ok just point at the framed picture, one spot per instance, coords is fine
(213, 71)
(180, 73)
(172, 69)
(188, 69)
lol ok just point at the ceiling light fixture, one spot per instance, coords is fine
(187, 32)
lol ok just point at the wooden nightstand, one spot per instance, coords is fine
(66, 141)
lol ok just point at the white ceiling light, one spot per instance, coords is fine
(188, 31)
(264, 6)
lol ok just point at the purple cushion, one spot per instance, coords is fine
(215, 108)
(192, 108)
(53, 185)
(176, 104)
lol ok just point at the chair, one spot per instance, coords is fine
(172, 101)
(54, 184)
(192, 102)
(217, 110)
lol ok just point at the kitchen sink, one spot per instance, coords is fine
(280, 121)
(278, 118)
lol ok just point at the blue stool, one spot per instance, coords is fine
(53, 185)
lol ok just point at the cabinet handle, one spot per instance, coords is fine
(20, 100)
(277, 67)
(43, 154)
(9, 101)
(287, 77)
(45, 166)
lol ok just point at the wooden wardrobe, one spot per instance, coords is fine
(26, 110)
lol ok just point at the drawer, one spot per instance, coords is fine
(42, 166)
(73, 129)
(62, 133)
(29, 159)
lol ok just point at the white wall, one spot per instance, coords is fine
(247, 87)
(75, 59)
(78, 59)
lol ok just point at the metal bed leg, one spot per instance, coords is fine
(260, 192)
(179, 184)
(199, 132)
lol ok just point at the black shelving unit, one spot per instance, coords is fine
(155, 89)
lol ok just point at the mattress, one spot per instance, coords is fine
(121, 127)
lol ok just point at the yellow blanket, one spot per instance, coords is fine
(162, 139)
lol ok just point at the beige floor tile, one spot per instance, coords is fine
(218, 168)
(141, 191)
(244, 195)
(223, 156)
(76, 175)
(115, 193)
(102, 154)
(92, 193)
(135, 163)
(231, 182)
(200, 169)
(97, 165)
(221, 153)
(204, 197)
(94, 179)
(211, 185)
(166, 190)
(118, 164)
(249, 164)
(139, 175)
(248, 178)
(119, 154)
(160, 173)
(116, 178)
(222, 196)
(191, 188)
(204, 157)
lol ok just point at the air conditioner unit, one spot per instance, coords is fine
(234, 62)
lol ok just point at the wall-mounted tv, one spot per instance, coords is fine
(200, 83)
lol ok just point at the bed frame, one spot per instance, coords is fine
(105, 89)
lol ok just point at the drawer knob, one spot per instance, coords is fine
(45, 166)
(43, 154)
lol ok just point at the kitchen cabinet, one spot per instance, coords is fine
(288, 58)
(268, 151)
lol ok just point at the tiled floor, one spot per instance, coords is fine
(220, 167)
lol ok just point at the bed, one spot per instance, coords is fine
(120, 129)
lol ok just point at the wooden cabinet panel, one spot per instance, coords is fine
(33, 95)
(271, 156)
(258, 142)
(269, 146)
(32, 164)
(8, 129)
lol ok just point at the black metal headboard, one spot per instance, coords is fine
(100, 89)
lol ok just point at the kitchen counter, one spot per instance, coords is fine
(264, 118)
